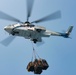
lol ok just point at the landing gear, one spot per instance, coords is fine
(14, 32)
(34, 40)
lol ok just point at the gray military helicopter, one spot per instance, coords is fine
(28, 30)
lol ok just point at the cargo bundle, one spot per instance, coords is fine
(37, 65)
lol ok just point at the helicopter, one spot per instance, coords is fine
(29, 30)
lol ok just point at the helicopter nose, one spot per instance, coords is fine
(5, 28)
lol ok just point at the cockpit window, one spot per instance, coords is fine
(27, 25)
(31, 25)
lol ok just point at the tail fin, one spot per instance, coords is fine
(69, 31)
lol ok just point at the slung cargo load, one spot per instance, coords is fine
(30, 67)
(37, 65)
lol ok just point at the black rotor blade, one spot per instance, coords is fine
(7, 41)
(29, 8)
(53, 16)
(8, 17)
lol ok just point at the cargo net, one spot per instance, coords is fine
(37, 64)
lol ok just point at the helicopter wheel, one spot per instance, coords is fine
(34, 40)
(13, 33)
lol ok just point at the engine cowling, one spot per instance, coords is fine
(40, 29)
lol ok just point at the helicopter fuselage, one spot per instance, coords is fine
(33, 32)
(27, 31)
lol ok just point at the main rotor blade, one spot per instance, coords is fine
(8, 17)
(7, 41)
(29, 8)
(53, 16)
